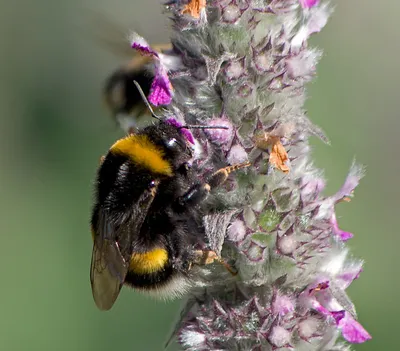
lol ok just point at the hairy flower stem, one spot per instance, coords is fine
(243, 64)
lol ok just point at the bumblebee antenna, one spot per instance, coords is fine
(203, 127)
(139, 88)
(144, 98)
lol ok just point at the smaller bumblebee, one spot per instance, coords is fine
(147, 217)
(121, 95)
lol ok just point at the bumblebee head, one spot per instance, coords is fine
(175, 138)
(176, 142)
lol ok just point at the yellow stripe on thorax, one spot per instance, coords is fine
(144, 153)
(148, 262)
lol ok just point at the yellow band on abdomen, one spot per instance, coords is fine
(148, 262)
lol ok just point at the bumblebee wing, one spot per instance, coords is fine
(131, 229)
(113, 36)
(108, 268)
(107, 273)
(110, 34)
(112, 250)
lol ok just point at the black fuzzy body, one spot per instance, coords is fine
(124, 223)
(120, 92)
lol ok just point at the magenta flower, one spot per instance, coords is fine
(161, 89)
(352, 331)
(341, 234)
(314, 21)
(351, 182)
(186, 132)
(332, 302)
(306, 4)
(140, 44)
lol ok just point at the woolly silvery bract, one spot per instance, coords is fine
(244, 64)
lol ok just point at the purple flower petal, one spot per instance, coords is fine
(316, 20)
(352, 331)
(306, 4)
(341, 234)
(319, 308)
(308, 297)
(338, 316)
(140, 44)
(173, 122)
(352, 180)
(161, 89)
(349, 275)
(184, 131)
(318, 287)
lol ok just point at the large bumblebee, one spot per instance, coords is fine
(147, 218)
(122, 97)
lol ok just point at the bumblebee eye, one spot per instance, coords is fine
(171, 142)
(174, 144)
(152, 184)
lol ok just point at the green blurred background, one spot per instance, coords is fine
(53, 130)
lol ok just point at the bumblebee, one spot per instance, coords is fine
(147, 218)
(118, 91)
(120, 94)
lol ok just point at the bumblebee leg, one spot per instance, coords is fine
(220, 176)
(194, 196)
(199, 192)
(203, 257)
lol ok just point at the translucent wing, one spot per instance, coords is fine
(112, 249)
(108, 271)
(108, 268)
(110, 34)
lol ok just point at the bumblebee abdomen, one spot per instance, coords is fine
(149, 262)
(149, 269)
(153, 272)
(120, 92)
